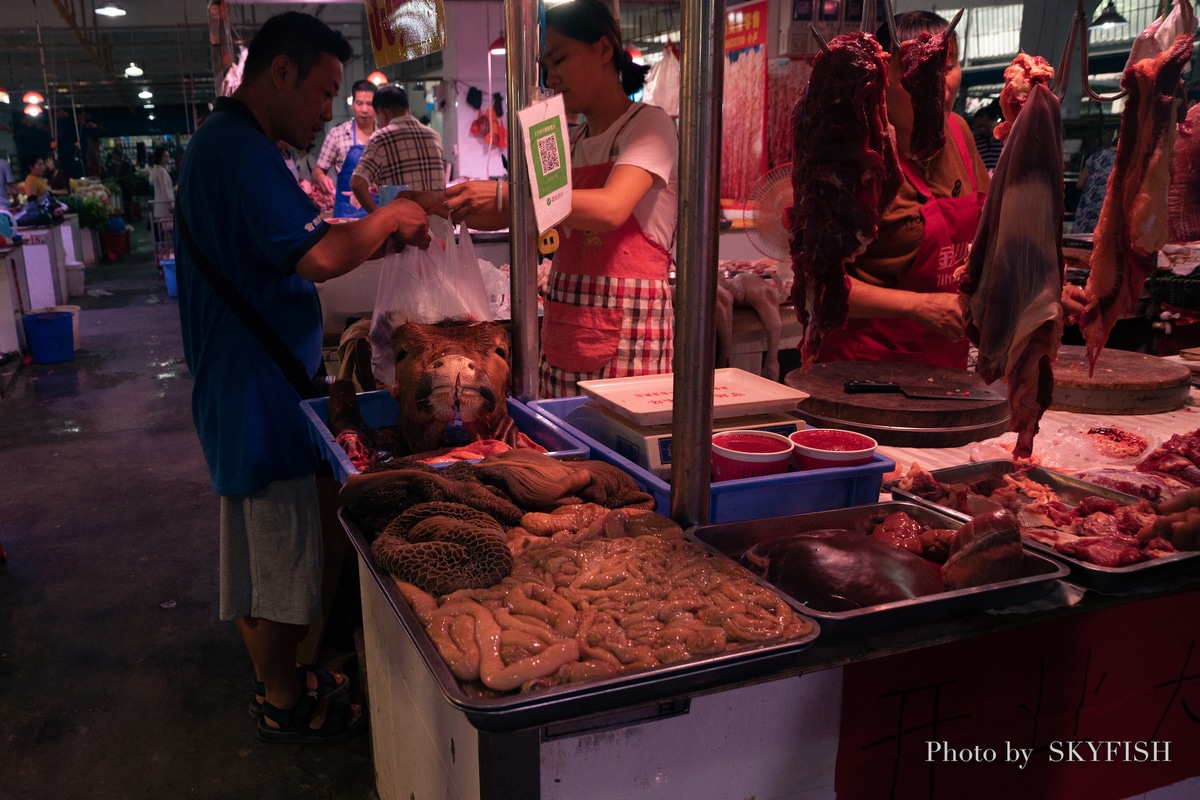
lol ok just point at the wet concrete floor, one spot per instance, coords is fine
(117, 679)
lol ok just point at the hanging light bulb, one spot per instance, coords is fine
(1110, 18)
(110, 9)
(4, 98)
(33, 110)
(145, 94)
(377, 78)
(497, 47)
(33, 97)
(133, 71)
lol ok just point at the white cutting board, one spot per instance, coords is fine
(646, 399)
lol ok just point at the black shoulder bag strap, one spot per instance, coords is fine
(292, 369)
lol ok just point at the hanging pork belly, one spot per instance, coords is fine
(845, 172)
(1133, 220)
(1012, 284)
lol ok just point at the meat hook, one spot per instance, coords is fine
(868, 17)
(891, 24)
(1079, 28)
(820, 39)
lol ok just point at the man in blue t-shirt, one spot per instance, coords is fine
(250, 221)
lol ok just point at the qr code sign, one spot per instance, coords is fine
(548, 154)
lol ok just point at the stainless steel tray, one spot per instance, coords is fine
(1070, 490)
(499, 713)
(732, 539)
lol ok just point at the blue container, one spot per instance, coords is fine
(51, 336)
(379, 410)
(748, 498)
(168, 268)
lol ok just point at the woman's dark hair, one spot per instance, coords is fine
(589, 21)
(912, 24)
(301, 37)
(156, 156)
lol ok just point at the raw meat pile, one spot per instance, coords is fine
(845, 172)
(1012, 284)
(1178, 458)
(924, 78)
(1133, 220)
(1096, 530)
(1024, 73)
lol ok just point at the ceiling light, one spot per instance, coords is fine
(1110, 18)
(377, 78)
(4, 98)
(151, 116)
(148, 105)
(110, 9)
(133, 71)
(497, 46)
(145, 94)
(33, 110)
(33, 97)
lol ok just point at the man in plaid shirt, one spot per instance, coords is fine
(401, 152)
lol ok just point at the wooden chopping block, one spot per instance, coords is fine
(1123, 383)
(896, 420)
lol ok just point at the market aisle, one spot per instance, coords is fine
(116, 677)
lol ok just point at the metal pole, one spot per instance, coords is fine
(523, 40)
(702, 69)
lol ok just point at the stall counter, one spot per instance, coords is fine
(828, 726)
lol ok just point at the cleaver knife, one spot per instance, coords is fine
(919, 392)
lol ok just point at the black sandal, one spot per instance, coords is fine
(327, 686)
(294, 723)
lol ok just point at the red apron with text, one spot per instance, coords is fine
(950, 224)
(608, 311)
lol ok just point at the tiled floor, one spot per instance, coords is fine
(117, 680)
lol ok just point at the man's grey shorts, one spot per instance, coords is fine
(272, 554)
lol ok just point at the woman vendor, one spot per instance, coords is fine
(608, 310)
(903, 297)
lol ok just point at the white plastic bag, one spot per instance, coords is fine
(662, 84)
(442, 282)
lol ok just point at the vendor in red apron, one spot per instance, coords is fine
(608, 310)
(341, 150)
(903, 296)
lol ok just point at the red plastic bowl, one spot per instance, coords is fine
(749, 454)
(819, 448)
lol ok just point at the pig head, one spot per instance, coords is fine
(451, 382)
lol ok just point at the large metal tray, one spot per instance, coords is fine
(732, 539)
(509, 712)
(1070, 490)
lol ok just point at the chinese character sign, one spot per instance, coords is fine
(402, 30)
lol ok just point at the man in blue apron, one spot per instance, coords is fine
(341, 150)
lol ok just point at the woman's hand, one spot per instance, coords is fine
(470, 197)
(1178, 521)
(1073, 301)
(940, 313)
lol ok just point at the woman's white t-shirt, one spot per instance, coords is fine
(649, 141)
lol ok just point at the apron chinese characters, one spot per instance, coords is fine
(950, 224)
(342, 207)
(608, 311)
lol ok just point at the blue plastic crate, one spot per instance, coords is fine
(748, 498)
(379, 410)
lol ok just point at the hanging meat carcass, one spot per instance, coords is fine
(1012, 284)
(1133, 220)
(924, 62)
(845, 172)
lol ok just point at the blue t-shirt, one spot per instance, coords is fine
(250, 218)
